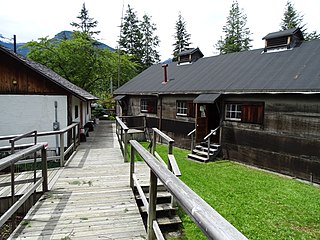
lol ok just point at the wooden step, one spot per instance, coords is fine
(160, 207)
(164, 221)
(201, 153)
(197, 157)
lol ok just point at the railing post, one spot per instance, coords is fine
(74, 138)
(44, 169)
(192, 142)
(132, 155)
(13, 218)
(154, 142)
(209, 147)
(61, 149)
(152, 205)
(125, 148)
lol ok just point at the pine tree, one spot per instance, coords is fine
(293, 19)
(130, 40)
(149, 42)
(182, 37)
(237, 35)
(86, 23)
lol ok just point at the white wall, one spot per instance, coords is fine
(24, 113)
(85, 110)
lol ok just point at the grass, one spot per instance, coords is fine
(261, 205)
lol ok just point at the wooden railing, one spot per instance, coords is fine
(211, 223)
(192, 135)
(10, 161)
(122, 134)
(75, 141)
(208, 139)
(172, 164)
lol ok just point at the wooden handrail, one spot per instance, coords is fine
(192, 132)
(41, 134)
(122, 137)
(61, 132)
(10, 161)
(212, 132)
(211, 223)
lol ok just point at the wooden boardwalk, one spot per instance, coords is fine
(91, 199)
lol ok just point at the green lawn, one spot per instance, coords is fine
(259, 204)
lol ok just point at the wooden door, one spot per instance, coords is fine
(201, 122)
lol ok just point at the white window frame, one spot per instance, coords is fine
(233, 111)
(182, 108)
(144, 105)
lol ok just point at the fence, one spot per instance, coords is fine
(73, 129)
(212, 224)
(10, 161)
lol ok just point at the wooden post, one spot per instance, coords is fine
(61, 149)
(192, 142)
(74, 138)
(125, 148)
(44, 169)
(132, 154)
(208, 147)
(152, 205)
(154, 142)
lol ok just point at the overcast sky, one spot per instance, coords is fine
(32, 19)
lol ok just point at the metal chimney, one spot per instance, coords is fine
(165, 75)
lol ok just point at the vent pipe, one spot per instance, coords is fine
(165, 75)
(14, 43)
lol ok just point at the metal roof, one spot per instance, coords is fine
(287, 32)
(51, 75)
(293, 70)
(207, 98)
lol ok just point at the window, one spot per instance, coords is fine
(185, 108)
(251, 112)
(148, 105)
(233, 111)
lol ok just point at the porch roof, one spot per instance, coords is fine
(207, 98)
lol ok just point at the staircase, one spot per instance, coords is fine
(167, 218)
(201, 153)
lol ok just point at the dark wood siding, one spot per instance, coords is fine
(288, 141)
(16, 78)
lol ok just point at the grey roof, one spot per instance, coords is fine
(293, 70)
(283, 33)
(190, 51)
(51, 75)
(207, 98)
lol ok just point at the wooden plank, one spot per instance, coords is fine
(90, 197)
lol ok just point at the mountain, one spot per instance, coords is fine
(8, 42)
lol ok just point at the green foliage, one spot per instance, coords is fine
(237, 35)
(80, 61)
(182, 37)
(293, 19)
(137, 39)
(86, 23)
(150, 42)
(259, 204)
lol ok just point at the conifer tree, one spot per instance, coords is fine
(293, 19)
(86, 24)
(150, 42)
(237, 35)
(182, 37)
(130, 40)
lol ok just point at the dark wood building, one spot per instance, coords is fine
(265, 101)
